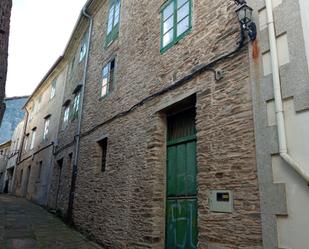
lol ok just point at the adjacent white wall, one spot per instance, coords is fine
(304, 7)
(293, 229)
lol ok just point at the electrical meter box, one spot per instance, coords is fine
(221, 201)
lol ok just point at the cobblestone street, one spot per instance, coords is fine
(24, 225)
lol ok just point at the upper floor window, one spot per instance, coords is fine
(83, 48)
(107, 78)
(39, 103)
(66, 115)
(175, 22)
(113, 21)
(26, 141)
(46, 127)
(53, 89)
(33, 138)
(72, 66)
(76, 104)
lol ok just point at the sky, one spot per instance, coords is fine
(40, 30)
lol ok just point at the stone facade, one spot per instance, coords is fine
(5, 14)
(13, 114)
(124, 207)
(124, 204)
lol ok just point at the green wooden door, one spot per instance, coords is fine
(181, 204)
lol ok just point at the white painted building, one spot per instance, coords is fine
(284, 191)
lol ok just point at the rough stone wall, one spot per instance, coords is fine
(5, 14)
(124, 206)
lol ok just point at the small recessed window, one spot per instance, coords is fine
(103, 153)
(113, 21)
(175, 22)
(46, 127)
(107, 78)
(26, 142)
(76, 104)
(72, 66)
(66, 115)
(33, 138)
(83, 48)
(53, 89)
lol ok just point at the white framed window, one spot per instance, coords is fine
(107, 78)
(33, 138)
(46, 127)
(26, 142)
(76, 104)
(66, 115)
(83, 48)
(53, 89)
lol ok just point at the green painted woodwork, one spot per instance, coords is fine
(113, 21)
(181, 224)
(182, 169)
(181, 204)
(173, 15)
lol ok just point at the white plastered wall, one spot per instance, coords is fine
(304, 9)
(293, 229)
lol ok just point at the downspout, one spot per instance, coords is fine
(283, 148)
(77, 136)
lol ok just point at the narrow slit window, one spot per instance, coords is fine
(103, 153)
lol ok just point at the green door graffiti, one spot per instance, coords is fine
(181, 204)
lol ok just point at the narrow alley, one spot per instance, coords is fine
(24, 225)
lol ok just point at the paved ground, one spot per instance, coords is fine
(24, 225)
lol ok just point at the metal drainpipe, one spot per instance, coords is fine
(283, 148)
(77, 136)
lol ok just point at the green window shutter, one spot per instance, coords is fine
(113, 20)
(176, 22)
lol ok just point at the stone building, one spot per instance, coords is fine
(40, 129)
(5, 14)
(13, 156)
(13, 114)
(165, 131)
(4, 155)
(283, 60)
(166, 144)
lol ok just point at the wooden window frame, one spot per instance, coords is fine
(83, 48)
(76, 105)
(53, 89)
(176, 38)
(112, 35)
(46, 126)
(109, 76)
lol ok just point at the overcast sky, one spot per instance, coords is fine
(40, 30)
